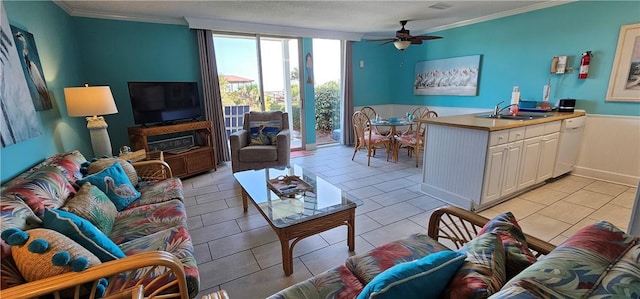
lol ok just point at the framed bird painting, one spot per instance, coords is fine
(32, 68)
(18, 118)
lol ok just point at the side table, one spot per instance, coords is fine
(136, 156)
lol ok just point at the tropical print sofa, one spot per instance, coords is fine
(490, 259)
(148, 217)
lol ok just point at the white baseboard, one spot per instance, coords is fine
(603, 175)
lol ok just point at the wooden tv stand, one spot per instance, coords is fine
(194, 161)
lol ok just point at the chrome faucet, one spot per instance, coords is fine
(497, 109)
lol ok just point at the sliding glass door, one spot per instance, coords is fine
(259, 73)
(328, 91)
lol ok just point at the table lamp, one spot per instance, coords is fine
(91, 101)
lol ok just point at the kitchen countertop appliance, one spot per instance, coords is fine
(566, 105)
(569, 144)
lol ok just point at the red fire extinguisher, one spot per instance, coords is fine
(584, 65)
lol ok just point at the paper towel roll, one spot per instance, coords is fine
(515, 96)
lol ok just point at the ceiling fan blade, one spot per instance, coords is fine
(388, 42)
(382, 39)
(426, 37)
(415, 41)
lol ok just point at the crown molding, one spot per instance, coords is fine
(256, 28)
(100, 15)
(499, 15)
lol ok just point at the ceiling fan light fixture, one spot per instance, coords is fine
(402, 44)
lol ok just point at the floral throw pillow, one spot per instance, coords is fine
(483, 271)
(518, 255)
(92, 204)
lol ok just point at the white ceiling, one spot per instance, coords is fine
(367, 19)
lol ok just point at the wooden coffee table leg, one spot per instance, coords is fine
(287, 258)
(245, 204)
(351, 230)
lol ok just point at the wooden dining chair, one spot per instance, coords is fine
(371, 114)
(415, 142)
(365, 138)
(420, 112)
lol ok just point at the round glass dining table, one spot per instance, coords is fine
(392, 123)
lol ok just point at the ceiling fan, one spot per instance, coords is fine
(404, 39)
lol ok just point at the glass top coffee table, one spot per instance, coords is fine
(311, 209)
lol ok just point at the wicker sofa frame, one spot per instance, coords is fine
(459, 226)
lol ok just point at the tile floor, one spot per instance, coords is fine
(240, 253)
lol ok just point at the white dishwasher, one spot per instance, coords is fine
(569, 145)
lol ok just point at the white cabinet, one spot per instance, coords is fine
(474, 168)
(491, 189)
(502, 164)
(510, 179)
(547, 157)
(538, 153)
(529, 164)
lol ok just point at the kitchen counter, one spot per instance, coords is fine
(475, 162)
(471, 121)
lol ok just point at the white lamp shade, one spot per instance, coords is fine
(402, 44)
(89, 101)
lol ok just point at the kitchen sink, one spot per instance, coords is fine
(521, 116)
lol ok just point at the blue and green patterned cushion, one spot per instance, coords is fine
(92, 204)
(518, 255)
(599, 261)
(69, 163)
(175, 240)
(422, 278)
(336, 283)
(45, 188)
(157, 192)
(623, 278)
(368, 265)
(264, 132)
(82, 232)
(482, 273)
(15, 213)
(134, 223)
(114, 182)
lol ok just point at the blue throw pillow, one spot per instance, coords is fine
(83, 233)
(115, 183)
(422, 278)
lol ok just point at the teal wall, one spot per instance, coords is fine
(373, 84)
(53, 32)
(117, 52)
(516, 50)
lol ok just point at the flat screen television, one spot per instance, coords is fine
(164, 102)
